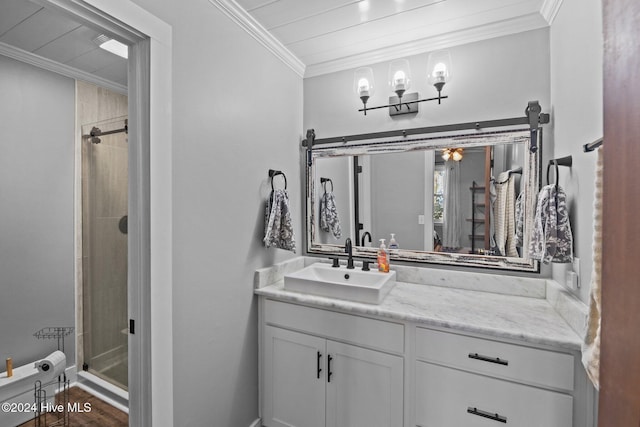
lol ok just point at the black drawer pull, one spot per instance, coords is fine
(329, 373)
(484, 414)
(319, 369)
(489, 359)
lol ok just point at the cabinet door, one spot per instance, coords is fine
(448, 397)
(294, 388)
(364, 387)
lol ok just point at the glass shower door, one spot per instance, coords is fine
(104, 250)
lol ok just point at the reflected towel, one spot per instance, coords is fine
(551, 237)
(519, 239)
(504, 214)
(591, 344)
(278, 226)
(329, 220)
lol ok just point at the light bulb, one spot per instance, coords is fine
(363, 87)
(399, 76)
(363, 83)
(439, 69)
(399, 80)
(440, 72)
(457, 155)
(446, 154)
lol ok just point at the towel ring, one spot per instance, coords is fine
(563, 161)
(323, 181)
(273, 173)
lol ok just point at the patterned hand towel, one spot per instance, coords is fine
(519, 239)
(278, 226)
(551, 239)
(329, 215)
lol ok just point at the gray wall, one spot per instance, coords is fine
(237, 112)
(36, 209)
(576, 95)
(491, 79)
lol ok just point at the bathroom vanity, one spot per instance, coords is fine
(426, 356)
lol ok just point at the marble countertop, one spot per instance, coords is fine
(512, 317)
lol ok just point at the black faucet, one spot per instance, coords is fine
(366, 233)
(348, 248)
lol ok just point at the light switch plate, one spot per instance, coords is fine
(421, 219)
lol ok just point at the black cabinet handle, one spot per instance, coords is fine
(319, 369)
(489, 415)
(496, 360)
(329, 373)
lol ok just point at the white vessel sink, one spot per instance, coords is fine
(354, 285)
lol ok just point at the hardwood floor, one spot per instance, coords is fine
(101, 414)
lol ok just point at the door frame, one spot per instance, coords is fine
(150, 213)
(619, 399)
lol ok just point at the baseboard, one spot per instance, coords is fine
(72, 373)
(103, 390)
(256, 423)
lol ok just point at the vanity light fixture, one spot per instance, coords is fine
(364, 85)
(111, 45)
(439, 70)
(454, 154)
(438, 74)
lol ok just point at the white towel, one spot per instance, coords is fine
(329, 220)
(591, 344)
(278, 225)
(504, 215)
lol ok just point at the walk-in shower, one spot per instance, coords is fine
(104, 250)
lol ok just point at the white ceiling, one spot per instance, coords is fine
(316, 36)
(30, 27)
(329, 35)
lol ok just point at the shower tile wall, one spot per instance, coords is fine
(103, 263)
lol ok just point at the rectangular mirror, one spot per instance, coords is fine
(476, 210)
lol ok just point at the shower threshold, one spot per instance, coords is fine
(104, 390)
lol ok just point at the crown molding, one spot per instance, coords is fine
(258, 32)
(550, 9)
(521, 24)
(57, 67)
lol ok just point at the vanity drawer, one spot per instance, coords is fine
(535, 366)
(372, 333)
(447, 397)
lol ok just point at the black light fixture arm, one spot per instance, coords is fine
(399, 104)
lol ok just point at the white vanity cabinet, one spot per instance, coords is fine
(467, 381)
(294, 375)
(317, 370)
(322, 367)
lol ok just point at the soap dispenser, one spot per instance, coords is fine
(383, 257)
(393, 244)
